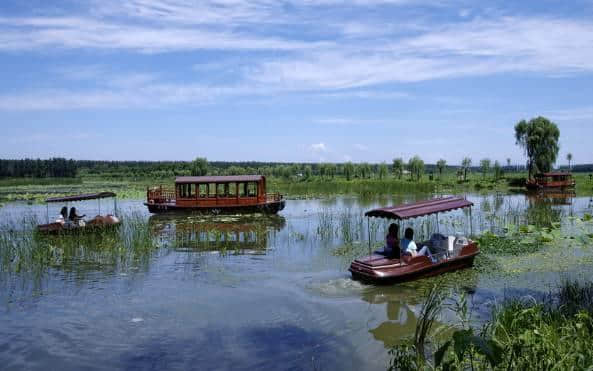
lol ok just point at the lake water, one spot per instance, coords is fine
(245, 292)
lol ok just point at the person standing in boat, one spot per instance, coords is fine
(391, 249)
(63, 215)
(408, 245)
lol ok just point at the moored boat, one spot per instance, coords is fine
(450, 253)
(553, 180)
(215, 194)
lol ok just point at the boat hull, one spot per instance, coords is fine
(379, 270)
(272, 207)
(59, 229)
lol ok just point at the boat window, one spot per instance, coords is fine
(232, 189)
(191, 190)
(212, 189)
(252, 189)
(242, 189)
(220, 189)
(203, 190)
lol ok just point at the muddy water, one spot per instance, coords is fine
(242, 292)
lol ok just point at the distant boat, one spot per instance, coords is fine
(215, 194)
(77, 224)
(551, 180)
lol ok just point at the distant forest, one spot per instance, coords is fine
(63, 168)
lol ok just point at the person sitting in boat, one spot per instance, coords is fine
(409, 247)
(391, 249)
(76, 219)
(63, 215)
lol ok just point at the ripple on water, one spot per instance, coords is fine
(337, 288)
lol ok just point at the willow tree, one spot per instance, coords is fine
(441, 166)
(466, 163)
(199, 166)
(398, 167)
(569, 159)
(416, 167)
(539, 139)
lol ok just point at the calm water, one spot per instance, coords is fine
(241, 292)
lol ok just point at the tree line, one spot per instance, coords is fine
(50, 168)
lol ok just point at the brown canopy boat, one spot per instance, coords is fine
(554, 180)
(451, 254)
(217, 194)
(77, 224)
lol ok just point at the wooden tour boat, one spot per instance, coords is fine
(450, 254)
(79, 224)
(216, 194)
(555, 180)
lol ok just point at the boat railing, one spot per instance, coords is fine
(273, 197)
(160, 195)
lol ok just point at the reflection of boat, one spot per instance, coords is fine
(236, 232)
(78, 224)
(215, 194)
(558, 180)
(554, 196)
(401, 318)
(458, 254)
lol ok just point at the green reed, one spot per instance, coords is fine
(552, 332)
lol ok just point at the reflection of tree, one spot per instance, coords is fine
(543, 209)
(216, 233)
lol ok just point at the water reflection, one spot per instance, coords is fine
(239, 233)
(401, 319)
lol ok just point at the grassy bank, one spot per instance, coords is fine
(36, 190)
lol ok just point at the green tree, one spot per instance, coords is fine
(485, 166)
(416, 167)
(348, 170)
(199, 167)
(569, 159)
(364, 170)
(398, 167)
(441, 166)
(539, 139)
(466, 164)
(331, 170)
(382, 170)
(497, 170)
(308, 172)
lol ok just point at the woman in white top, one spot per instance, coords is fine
(408, 245)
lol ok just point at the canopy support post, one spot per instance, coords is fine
(369, 233)
(115, 206)
(99, 205)
(438, 230)
(471, 227)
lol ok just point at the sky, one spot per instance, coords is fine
(292, 80)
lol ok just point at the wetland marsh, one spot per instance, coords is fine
(187, 291)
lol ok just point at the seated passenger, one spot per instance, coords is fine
(76, 219)
(408, 246)
(63, 215)
(391, 249)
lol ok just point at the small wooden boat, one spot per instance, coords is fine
(457, 254)
(215, 194)
(557, 180)
(79, 225)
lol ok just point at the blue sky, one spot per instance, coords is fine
(290, 80)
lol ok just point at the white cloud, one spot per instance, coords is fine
(318, 147)
(361, 147)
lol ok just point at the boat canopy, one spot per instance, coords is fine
(217, 179)
(82, 197)
(413, 210)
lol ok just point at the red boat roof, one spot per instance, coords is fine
(405, 211)
(82, 197)
(555, 173)
(218, 179)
